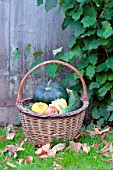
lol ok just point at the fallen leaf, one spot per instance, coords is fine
(11, 165)
(110, 160)
(78, 136)
(59, 159)
(28, 159)
(22, 143)
(107, 150)
(98, 131)
(58, 166)
(95, 157)
(19, 161)
(86, 148)
(43, 156)
(38, 152)
(45, 148)
(59, 147)
(75, 146)
(12, 150)
(95, 145)
(10, 135)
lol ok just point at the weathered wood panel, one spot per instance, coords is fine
(22, 23)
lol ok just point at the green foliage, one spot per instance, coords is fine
(90, 42)
(16, 54)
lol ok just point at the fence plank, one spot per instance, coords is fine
(25, 23)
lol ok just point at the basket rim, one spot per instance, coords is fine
(22, 109)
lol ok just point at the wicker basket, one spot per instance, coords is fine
(43, 128)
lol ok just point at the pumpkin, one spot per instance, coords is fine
(39, 107)
(50, 91)
(59, 104)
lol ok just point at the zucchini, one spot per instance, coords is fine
(74, 102)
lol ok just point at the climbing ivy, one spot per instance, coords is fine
(91, 45)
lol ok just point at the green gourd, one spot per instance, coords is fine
(50, 91)
(74, 102)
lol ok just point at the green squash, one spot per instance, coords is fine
(50, 91)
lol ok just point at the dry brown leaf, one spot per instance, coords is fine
(11, 165)
(12, 150)
(59, 147)
(98, 131)
(86, 148)
(45, 148)
(95, 145)
(10, 135)
(110, 160)
(75, 146)
(38, 151)
(59, 159)
(19, 161)
(78, 136)
(57, 166)
(43, 151)
(22, 143)
(107, 150)
(28, 159)
(43, 156)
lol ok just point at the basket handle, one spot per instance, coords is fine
(19, 96)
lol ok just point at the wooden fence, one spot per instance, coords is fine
(22, 22)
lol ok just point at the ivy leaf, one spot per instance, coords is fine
(108, 85)
(77, 51)
(67, 21)
(90, 32)
(95, 113)
(16, 54)
(77, 15)
(58, 50)
(35, 63)
(77, 28)
(90, 71)
(93, 85)
(66, 6)
(67, 56)
(76, 76)
(102, 67)
(104, 42)
(100, 122)
(49, 4)
(82, 63)
(37, 54)
(94, 44)
(93, 58)
(100, 32)
(72, 41)
(108, 29)
(88, 21)
(104, 112)
(102, 91)
(51, 70)
(39, 2)
(111, 117)
(101, 78)
(111, 93)
(28, 48)
(83, 1)
(109, 63)
(110, 76)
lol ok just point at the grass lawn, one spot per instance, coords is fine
(70, 161)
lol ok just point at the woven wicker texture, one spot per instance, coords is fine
(44, 128)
